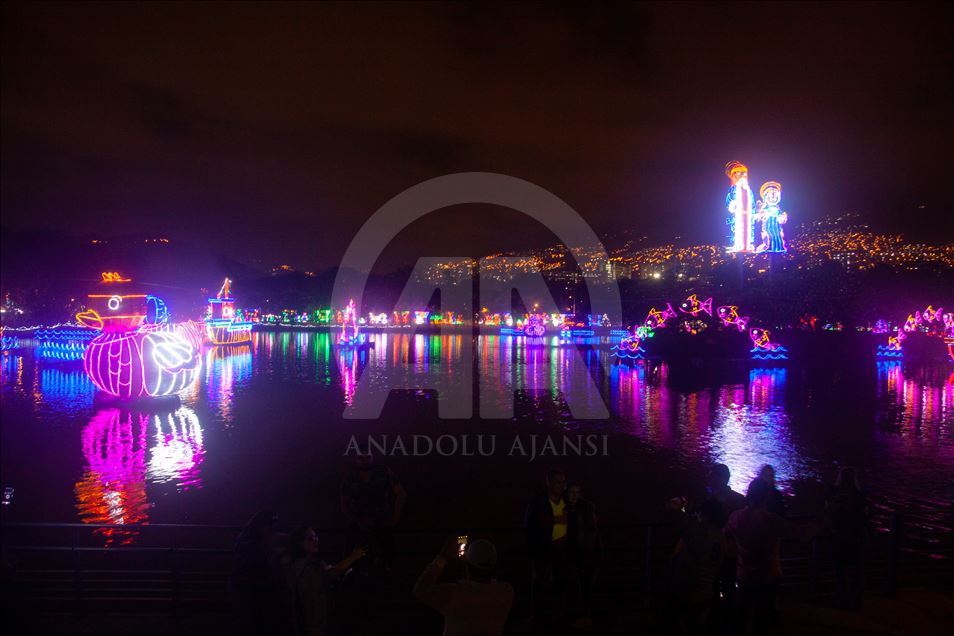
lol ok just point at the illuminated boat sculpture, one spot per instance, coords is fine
(137, 354)
(222, 325)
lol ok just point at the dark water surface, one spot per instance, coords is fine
(263, 427)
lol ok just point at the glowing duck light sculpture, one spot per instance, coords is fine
(221, 326)
(135, 355)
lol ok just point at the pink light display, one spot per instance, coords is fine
(115, 445)
(113, 487)
(350, 336)
(349, 319)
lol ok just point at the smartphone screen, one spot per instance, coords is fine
(461, 545)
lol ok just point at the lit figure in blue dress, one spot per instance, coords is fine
(772, 218)
(738, 203)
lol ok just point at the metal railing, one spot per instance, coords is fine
(180, 568)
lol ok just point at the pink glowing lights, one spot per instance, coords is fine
(930, 321)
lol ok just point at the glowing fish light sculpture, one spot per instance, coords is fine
(630, 348)
(738, 203)
(693, 306)
(933, 322)
(133, 358)
(729, 315)
(223, 325)
(657, 318)
(770, 215)
(763, 349)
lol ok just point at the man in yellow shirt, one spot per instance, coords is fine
(546, 527)
(559, 519)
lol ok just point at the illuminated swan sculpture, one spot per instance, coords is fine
(138, 354)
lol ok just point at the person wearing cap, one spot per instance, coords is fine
(478, 604)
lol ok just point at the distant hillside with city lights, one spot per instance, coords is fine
(838, 271)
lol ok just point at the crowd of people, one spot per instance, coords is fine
(725, 570)
(722, 575)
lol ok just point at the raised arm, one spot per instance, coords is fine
(334, 571)
(426, 589)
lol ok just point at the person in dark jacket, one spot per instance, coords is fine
(694, 568)
(254, 580)
(372, 500)
(728, 501)
(776, 501)
(847, 511)
(584, 547)
(545, 523)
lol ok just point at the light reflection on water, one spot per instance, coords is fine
(116, 443)
(901, 429)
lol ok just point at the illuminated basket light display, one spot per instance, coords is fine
(930, 321)
(695, 310)
(135, 355)
(223, 326)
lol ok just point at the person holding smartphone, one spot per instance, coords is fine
(476, 604)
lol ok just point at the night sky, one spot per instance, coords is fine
(271, 132)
